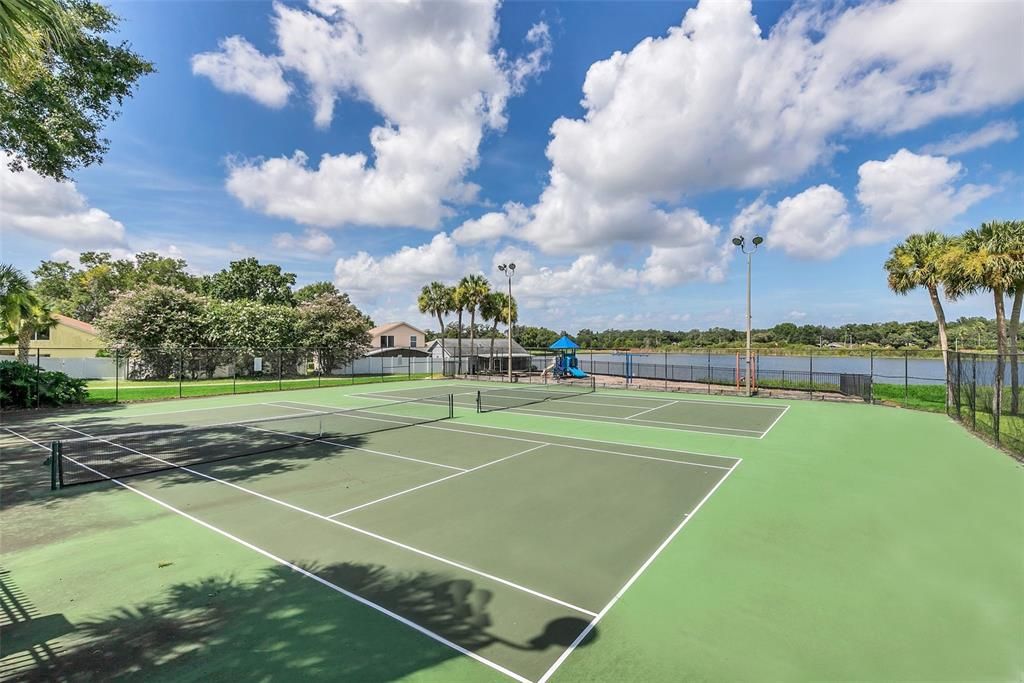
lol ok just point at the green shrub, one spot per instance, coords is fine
(20, 382)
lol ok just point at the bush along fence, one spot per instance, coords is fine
(986, 396)
(116, 375)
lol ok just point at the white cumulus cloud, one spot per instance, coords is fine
(493, 225)
(49, 210)
(911, 192)
(406, 269)
(240, 68)
(433, 73)
(814, 224)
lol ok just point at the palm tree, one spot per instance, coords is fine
(920, 261)
(475, 289)
(23, 311)
(458, 307)
(495, 308)
(1009, 239)
(981, 260)
(27, 29)
(436, 299)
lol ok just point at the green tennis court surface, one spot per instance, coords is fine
(398, 532)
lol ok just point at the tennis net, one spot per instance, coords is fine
(516, 397)
(113, 456)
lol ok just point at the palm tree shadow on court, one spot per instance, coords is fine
(278, 625)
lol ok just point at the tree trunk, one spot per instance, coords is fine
(24, 340)
(1013, 330)
(440, 322)
(494, 331)
(997, 396)
(458, 368)
(940, 317)
(472, 339)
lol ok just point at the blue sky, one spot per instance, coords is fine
(610, 149)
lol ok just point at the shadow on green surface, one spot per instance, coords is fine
(282, 627)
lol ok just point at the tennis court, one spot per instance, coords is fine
(582, 402)
(529, 538)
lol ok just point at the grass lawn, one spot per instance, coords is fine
(103, 391)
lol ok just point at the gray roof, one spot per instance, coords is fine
(482, 347)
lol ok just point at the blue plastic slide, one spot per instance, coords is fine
(576, 372)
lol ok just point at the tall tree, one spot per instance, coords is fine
(436, 299)
(86, 291)
(1008, 238)
(980, 261)
(496, 308)
(24, 312)
(310, 292)
(920, 261)
(334, 328)
(458, 308)
(475, 289)
(60, 83)
(249, 279)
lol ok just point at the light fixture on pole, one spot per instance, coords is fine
(508, 270)
(741, 242)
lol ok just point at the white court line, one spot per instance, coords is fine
(590, 627)
(350, 527)
(685, 398)
(357, 448)
(310, 575)
(774, 422)
(31, 441)
(604, 419)
(562, 445)
(644, 412)
(319, 408)
(431, 483)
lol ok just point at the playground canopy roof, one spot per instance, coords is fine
(564, 343)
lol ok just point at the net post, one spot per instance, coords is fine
(54, 466)
(479, 405)
(451, 406)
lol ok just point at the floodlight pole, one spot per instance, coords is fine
(509, 270)
(741, 243)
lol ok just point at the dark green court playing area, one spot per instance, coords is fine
(411, 532)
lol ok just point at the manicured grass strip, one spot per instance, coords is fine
(103, 391)
(930, 397)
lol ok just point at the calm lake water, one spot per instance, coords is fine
(884, 370)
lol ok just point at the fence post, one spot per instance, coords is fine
(871, 384)
(317, 360)
(974, 394)
(906, 378)
(810, 373)
(666, 371)
(234, 373)
(117, 373)
(38, 370)
(708, 378)
(181, 369)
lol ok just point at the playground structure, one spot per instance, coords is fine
(565, 364)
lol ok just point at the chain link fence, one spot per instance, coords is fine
(986, 396)
(139, 374)
(913, 379)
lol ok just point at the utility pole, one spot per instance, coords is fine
(508, 270)
(741, 243)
